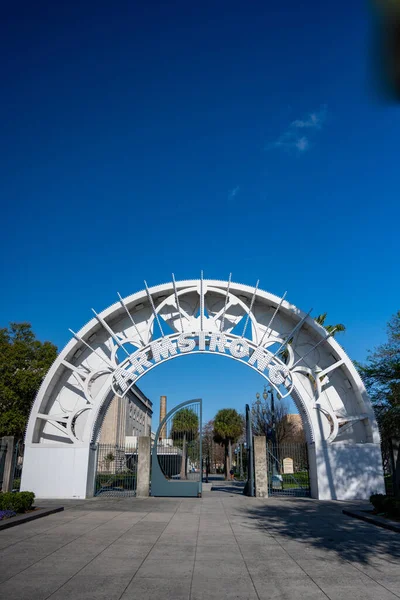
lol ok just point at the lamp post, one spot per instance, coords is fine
(258, 412)
(273, 429)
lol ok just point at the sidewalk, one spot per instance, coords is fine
(222, 546)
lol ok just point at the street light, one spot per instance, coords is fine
(273, 436)
(258, 403)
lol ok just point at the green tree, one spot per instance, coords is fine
(381, 376)
(24, 362)
(184, 431)
(228, 427)
(334, 329)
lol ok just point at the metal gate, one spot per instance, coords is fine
(116, 473)
(176, 465)
(288, 471)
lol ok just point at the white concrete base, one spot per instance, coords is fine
(347, 471)
(54, 472)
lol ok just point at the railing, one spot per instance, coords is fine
(18, 464)
(3, 454)
(288, 470)
(14, 452)
(116, 473)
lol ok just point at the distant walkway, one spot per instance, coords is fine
(223, 546)
(220, 486)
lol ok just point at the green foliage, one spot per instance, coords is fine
(17, 501)
(24, 362)
(185, 423)
(228, 426)
(333, 329)
(12, 422)
(381, 375)
(377, 501)
(387, 505)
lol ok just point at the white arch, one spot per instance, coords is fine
(343, 438)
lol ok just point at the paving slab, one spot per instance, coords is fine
(220, 546)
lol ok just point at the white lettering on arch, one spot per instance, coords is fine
(239, 348)
(162, 349)
(218, 342)
(186, 343)
(168, 347)
(260, 358)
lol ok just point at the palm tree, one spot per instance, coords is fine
(332, 329)
(228, 427)
(185, 428)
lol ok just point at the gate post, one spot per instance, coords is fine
(143, 467)
(8, 475)
(260, 466)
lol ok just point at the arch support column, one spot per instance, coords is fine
(56, 472)
(260, 466)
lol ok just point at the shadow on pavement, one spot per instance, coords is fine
(321, 525)
(230, 487)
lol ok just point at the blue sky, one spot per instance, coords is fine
(144, 138)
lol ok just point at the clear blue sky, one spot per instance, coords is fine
(141, 138)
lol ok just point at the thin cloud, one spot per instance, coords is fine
(234, 192)
(314, 120)
(302, 144)
(294, 139)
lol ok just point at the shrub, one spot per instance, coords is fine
(377, 501)
(391, 507)
(386, 504)
(17, 501)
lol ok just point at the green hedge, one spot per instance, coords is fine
(387, 505)
(16, 484)
(17, 501)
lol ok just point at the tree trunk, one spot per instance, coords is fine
(183, 463)
(395, 459)
(230, 456)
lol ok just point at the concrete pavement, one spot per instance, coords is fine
(222, 546)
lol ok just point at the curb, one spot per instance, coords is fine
(19, 519)
(374, 520)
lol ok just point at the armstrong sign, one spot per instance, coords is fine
(172, 346)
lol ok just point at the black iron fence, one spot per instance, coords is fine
(18, 464)
(3, 454)
(116, 473)
(17, 451)
(288, 469)
(390, 459)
